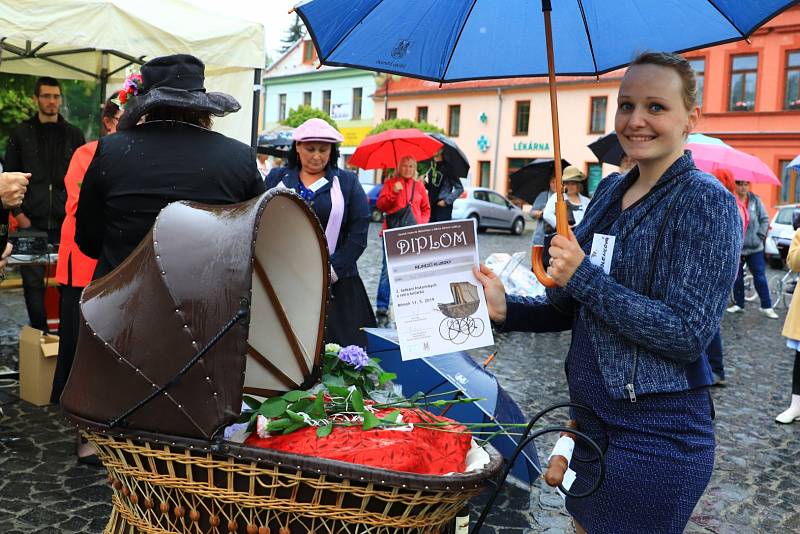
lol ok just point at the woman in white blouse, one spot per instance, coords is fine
(576, 203)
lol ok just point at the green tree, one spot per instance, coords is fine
(301, 114)
(293, 34)
(16, 105)
(81, 104)
(403, 124)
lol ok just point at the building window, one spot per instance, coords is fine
(484, 173)
(792, 98)
(391, 113)
(308, 52)
(357, 93)
(523, 115)
(453, 120)
(743, 83)
(282, 107)
(790, 192)
(699, 66)
(326, 102)
(598, 122)
(422, 113)
(594, 172)
(307, 98)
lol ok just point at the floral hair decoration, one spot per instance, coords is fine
(131, 88)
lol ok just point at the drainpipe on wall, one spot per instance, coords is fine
(497, 138)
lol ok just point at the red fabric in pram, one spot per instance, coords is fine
(429, 451)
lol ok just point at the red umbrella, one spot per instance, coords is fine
(386, 149)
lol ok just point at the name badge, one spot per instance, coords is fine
(319, 184)
(602, 251)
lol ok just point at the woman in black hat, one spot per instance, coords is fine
(163, 152)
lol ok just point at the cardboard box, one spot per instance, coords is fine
(37, 364)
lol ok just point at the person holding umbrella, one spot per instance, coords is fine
(642, 283)
(537, 213)
(343, 211)
(444, 187)
(753, 251)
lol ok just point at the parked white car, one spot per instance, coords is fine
(780, 236)
(490, 209)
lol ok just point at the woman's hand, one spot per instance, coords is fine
(398, 186)
(565, 257)
(495, 293)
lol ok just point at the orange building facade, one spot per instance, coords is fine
(750, 99)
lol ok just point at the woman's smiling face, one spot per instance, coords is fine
(652, 120)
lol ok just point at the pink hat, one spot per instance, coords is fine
(317, 130)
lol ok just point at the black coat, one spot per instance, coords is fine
(135, 173)
(26, 152)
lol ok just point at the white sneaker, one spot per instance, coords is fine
(769, 312)
(735, 309)
(789, 416)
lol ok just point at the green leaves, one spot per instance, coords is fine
(324, 430)
(274, 407)
(370, 421)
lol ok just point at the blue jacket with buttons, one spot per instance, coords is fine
(648, 344)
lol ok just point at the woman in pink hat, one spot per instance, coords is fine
(343, 211)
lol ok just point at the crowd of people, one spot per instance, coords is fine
(645, 331)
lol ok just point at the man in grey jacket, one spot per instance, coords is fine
(753, 252)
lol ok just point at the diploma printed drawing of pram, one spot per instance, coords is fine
(458, 324)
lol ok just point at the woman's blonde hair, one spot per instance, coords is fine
(403, 160)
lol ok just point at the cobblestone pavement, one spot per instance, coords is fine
(754, 487)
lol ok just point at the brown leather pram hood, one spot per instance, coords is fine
(259, 269)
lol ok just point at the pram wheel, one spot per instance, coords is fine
(459, 330)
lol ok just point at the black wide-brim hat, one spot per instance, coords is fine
(175, 81)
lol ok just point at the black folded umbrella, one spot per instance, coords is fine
(453, 156)
(530, 180)
(607, 149)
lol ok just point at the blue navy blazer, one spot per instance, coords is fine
(355, 222)
(648, 344)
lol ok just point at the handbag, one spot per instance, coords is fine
(404, 216)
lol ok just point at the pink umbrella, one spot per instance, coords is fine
(386, 149)
(744, 167)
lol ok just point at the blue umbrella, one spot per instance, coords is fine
(447, 372)
(453, 40)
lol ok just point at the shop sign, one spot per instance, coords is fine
(531, 145)
(483, 143)
(354, 135)
(341, 111)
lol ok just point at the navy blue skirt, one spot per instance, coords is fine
(659, 457)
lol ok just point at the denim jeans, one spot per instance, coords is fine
(714, 352)
(384, 291)
(756, 264)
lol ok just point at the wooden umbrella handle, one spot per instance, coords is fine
(562, 224)
(562, 228)
(558, 465)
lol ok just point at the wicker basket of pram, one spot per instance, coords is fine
(169, 343)
(465, 301)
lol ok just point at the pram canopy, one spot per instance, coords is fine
(259, 268)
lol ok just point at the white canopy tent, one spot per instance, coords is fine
(100, 39)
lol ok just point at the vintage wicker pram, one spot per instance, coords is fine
(215, 302)
(465, 301)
